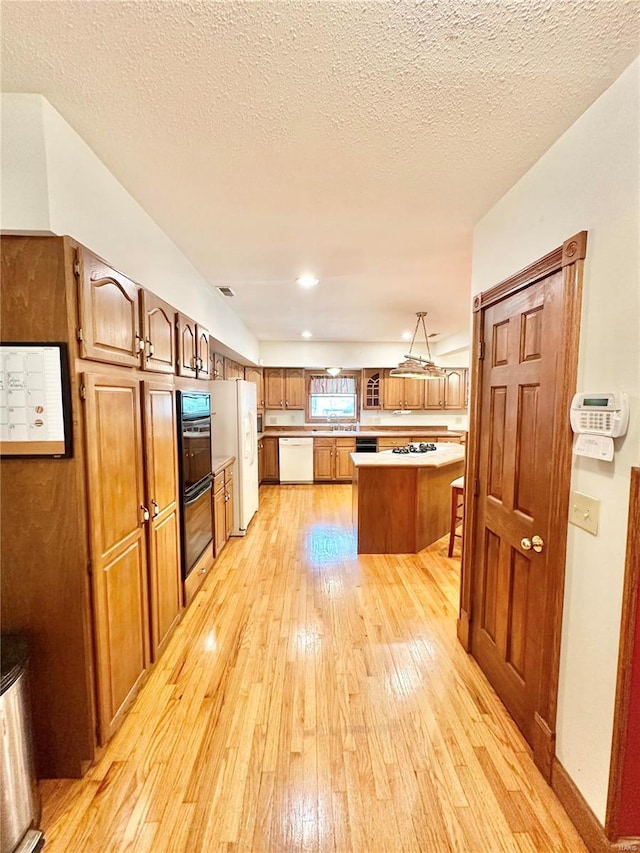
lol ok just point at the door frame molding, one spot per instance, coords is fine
(630, 606)
(570, 259)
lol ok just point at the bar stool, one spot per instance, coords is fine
(457, 504)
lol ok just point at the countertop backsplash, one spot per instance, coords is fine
(453, 420)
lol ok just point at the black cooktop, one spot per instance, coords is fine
(423, 447)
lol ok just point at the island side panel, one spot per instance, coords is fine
(386, 507)
(434, 502)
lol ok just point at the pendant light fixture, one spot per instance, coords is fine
(415, 366)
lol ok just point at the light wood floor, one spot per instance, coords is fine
(313, 700)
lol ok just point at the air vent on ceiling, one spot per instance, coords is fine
(226, 291)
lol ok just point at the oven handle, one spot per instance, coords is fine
(190, 499)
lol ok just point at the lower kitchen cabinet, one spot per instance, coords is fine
(331, 459)
(222, 508)
(270, 461)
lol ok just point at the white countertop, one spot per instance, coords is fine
(445, 454)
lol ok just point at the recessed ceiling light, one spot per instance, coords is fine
(307, 280)
(306, 334)
(406, 336)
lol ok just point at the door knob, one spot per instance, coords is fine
(538, 543)
(145, 513)
(526, 544)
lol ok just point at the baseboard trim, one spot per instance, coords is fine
(584, 820)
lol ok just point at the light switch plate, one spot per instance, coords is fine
(584, 512)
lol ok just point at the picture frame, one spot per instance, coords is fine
(35, 400)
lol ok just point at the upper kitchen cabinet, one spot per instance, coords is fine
(218, 364)
(193, 349)
(399, 393)
(254, 374)
(158, 328)
(455, 385)
(233, 370)
(187, 363)
(284, 389)
(109, 328)
(448, 392)
(371, 388)
(434, 393)
(203, 352)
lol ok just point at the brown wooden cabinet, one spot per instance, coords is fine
(389, 443)
(448, 392)
(161, 468)
(270, 460)
(343, 464)
(434, 394)
(229, 500)
(193, 359)
(372, 385)
(222, 508)
(219, 513)
(203, 352)
(323, 467)
(455, 389)
(218, 366)
(117, 524)
(158, 330)
(331, 459)
(399, 393)
(284, 388)
(233, 370)
(109, 320)
(254, 374)
(187, 340)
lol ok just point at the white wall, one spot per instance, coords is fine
(53, 182)
(588, 180)
(23, 173)
(353, 356)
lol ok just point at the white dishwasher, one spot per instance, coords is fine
(296, 460)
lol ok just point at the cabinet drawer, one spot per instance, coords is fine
(324, 442)
(218, 482)
(388, 443)
(346, 442)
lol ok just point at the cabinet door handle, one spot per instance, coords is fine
(156, 508)
(281, 402)
(194, 363)
(145, 513)
(150, 348)
(139, 344)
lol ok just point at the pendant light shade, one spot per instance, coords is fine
(415, 366)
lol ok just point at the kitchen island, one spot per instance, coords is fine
(401, 502)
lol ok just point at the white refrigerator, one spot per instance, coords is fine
(234, 433)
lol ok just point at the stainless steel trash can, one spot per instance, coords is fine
(19, 800)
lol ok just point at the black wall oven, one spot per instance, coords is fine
(196, 478)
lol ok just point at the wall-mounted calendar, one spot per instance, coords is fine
(35, 410)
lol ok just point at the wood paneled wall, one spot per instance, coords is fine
(44, 551)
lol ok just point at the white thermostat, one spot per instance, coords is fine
(605, 413)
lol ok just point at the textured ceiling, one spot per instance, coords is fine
(360, 141)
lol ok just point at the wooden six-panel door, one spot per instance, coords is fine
(522, 337)
(117, 519)
(161, 468)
